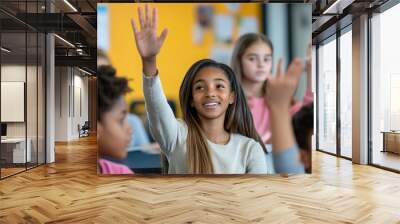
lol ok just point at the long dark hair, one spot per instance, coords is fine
(238, 118)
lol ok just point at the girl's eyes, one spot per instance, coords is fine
(267, 59)
(218, 86)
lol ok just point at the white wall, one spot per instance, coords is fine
(71, 93)
(61, 103)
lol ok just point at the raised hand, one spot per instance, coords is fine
(280, 89)
(147, 41)
(279, 92)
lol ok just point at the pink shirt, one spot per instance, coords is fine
(260, 112)
(108, 167)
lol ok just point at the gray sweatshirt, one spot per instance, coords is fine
(240, 155)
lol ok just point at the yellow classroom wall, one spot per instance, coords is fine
(179, 51)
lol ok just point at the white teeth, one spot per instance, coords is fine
(210, 104)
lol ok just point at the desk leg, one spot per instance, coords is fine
(383, 143)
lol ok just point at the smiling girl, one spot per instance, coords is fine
(217, 134)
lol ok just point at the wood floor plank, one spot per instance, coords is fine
(70, 191)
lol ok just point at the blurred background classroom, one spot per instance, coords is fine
(196, 31)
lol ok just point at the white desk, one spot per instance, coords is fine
(18, 150)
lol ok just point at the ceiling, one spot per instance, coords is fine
(79, 27)
(76, 24)
(329, 15)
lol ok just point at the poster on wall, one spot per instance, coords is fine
(204, 16)
(223, 28)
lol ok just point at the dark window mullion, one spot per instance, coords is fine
(369, 83)
(26, 87)
(37, 91)
(317, 96)
(338, 94)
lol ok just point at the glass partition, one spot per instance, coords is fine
(22, 78)
(327, 96)
(346, 93)
(385, 89)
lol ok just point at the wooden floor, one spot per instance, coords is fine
(10, 171)
(387, 159)
(70, 191)
(5, 172)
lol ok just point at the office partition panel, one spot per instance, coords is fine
(32, 102)
(22, 77)
(15, 149)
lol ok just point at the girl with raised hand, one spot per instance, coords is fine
(217, 135)
(252, 63)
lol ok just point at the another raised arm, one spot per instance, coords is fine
(279, 92)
